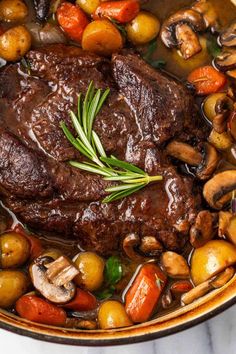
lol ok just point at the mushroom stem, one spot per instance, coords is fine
(188, 41)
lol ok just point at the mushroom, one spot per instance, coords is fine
(218, 190)
(223, 108)
(166, 300)
(179, 30)
(79, 323)
(208, 12)
(203, 288)
(53, 279)
(203, 229)
(42, 9)
(148, 245)
(205, 160)
(228, 37)
(175, 265)
(226, 60)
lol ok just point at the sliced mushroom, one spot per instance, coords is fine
(166, 300)
(79, 323)
(218, 190)
(58, 294)
(210, 160)
(226, 60)
(228, 37)
(203, 288)
(173, 32)
(208, 12)
(149, 246)
(61, 271)
(224, 218)
(130, 245)
(175, 265)
(184, 152)
(188, 41)
(206, 161)
(203, 229)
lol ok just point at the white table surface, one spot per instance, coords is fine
(217, 336)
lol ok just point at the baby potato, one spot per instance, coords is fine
(210, 259)
(112, 314)
(91, 267)
(13, 10)
(89, 6)
(102, 37)
(220, 141)
(13, 284)
(143, 28)
(210, 104)
(15, 250)
(15, 43)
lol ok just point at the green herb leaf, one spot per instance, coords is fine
(105, 294)
(150, 50)
(158, 64)
(25, 63)
(119, 27)
(113, 270)
(213, 47)
(131, 177)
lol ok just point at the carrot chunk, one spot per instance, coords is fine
(72, 20)
(83, 301)
(207, 80)
(144, 293)
(121, 11)
(35, 309)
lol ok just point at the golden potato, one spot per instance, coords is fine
(210, 104)
(53, 253)
(91, 267)
(13, 10)
(102, 37)
(15, 250)
(210, 259)
(15, 43)
(112, 314)
(89, 6)
(13, 284)
(143, 28)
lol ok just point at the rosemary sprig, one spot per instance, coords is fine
(130, 178)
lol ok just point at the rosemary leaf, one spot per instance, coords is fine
(122, 164)
(98, 144)
(79, 108)
(119, 195)
(81, 133)
(88, 168)
(74, 141)
(122, 187)
(92, 112)
(102, 100)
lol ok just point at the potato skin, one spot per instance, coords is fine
(13, 284)
(89, 6)
(91, 267)
(143, 28)
(15, 43)
(102, 37)
(13, 10)
(112, 314)
(15, 250)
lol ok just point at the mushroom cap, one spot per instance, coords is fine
(218, 190)
(228, 37)
(188, 16)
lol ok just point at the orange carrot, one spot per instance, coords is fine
(122, 11)
(36, 247)
(35, 309)
(72, 20)
(144, 293)
(180, 287)
(207, 80)
(83, 301)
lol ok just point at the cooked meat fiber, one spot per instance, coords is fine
(144, 110)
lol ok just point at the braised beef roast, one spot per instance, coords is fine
(145, 109)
